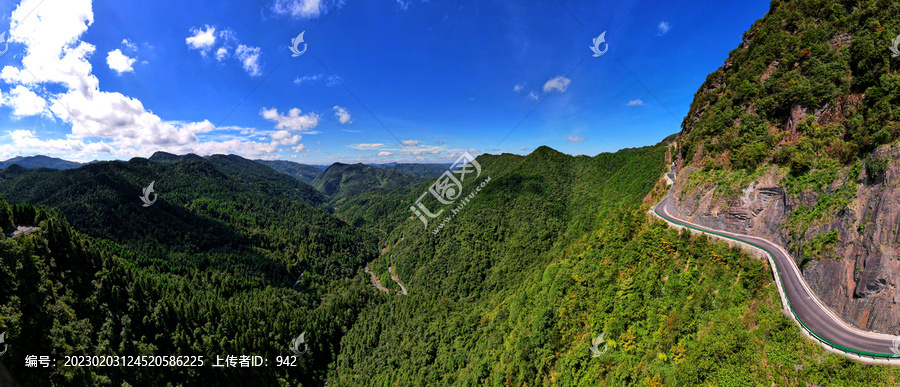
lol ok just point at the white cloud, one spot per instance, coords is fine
(221, 54)
(385, 154)
(409, 143)
(330, 80)
(202, 40)
(519, 87)
(342, 114)
(24, 102)
(306, 9)
(635, 102)
(284, 137)
(249, 57)
(662, 28)
(119, 62)
(294, 120)
(532, 96)
(366, 146)
(576, 139)
(299, 148)
(558, 84)
(129, 45)
(55, 56)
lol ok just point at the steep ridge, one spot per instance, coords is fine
(804, 306)
(794, 138)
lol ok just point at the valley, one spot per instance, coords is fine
(295, 193)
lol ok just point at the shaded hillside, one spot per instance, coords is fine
(423, 171)
(795, 139)
(198, 205)
(302, 172)
(39, 161)
(65, 294)
(245, 171)
(342, 182)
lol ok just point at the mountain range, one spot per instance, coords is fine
(542, 269)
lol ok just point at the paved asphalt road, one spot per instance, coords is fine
(805, 306)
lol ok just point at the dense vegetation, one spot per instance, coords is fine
(39, 162)
(212, 268)
(556, 250)
(423, 171)
(342, 182)
(302, 172)
(553, 251)
(814, 80)
(237, 258)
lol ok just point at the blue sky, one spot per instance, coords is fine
(380, 80)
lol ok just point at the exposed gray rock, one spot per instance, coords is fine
(858, 279)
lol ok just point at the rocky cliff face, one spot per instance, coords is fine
(857, 275)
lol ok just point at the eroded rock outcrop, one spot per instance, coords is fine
(859, 274)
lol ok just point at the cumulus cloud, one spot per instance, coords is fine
(575, 139)
(284, 137)
(295, 120)
(249, 57)
(662, 28)
(558, 84)
(24, 102)
(635, 102)
(221, 54)
(225, 44)
(532, 96)
(409, 143)
(56, 56)
(519, 87)
(385, 154)
(119, 62)
(342, 115)
(202, 39)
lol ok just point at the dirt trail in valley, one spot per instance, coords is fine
(375, 280)
(397, 280)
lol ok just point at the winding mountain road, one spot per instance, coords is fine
(813, 316)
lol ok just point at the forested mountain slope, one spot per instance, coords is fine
(343, 182)
(39, 161)
(794, 139)
(302, 172)
(66, 294)
(552, 252)
(423, 171)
